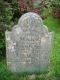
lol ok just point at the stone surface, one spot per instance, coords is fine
(28, 45)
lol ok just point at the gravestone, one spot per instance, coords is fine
(28, 45)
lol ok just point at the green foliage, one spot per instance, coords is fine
(2, 44)
(56, 8)
(5, 14)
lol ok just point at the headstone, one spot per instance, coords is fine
(28, 45)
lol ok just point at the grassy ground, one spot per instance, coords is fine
(54, 25)
(54, 69)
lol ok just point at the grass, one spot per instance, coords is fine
(54, 69)
(54, 25)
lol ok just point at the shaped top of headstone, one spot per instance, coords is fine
(30, 23)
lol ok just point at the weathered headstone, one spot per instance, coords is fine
(28, 45)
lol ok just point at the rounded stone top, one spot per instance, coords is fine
(30, 21)
(30, 15)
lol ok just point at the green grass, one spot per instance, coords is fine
(54, 25)
(54, 69)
